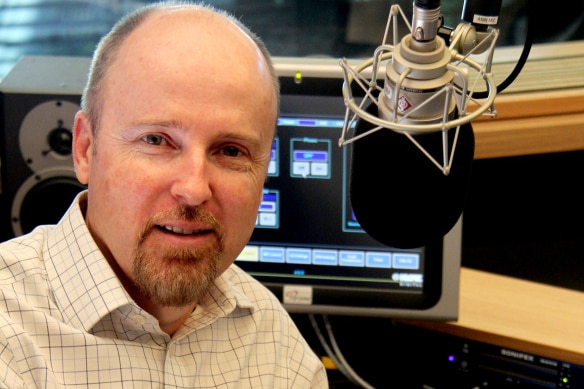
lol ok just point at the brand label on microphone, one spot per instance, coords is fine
(483, 19)
(297, 294)
(403, 104)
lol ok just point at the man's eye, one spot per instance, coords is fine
(231, 151)
(153, 139)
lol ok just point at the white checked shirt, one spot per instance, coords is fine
(66, 321)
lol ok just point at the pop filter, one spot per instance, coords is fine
(398, 195)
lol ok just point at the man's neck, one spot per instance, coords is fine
(170, 319)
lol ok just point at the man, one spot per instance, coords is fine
(136, 286)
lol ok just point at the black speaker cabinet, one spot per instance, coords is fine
(38, 101)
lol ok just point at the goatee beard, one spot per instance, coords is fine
(176, 277)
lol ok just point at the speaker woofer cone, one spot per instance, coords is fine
(43, 199)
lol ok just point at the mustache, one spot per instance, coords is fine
(186, 214)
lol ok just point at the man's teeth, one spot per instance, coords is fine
(177, 230)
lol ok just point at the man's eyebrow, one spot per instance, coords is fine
(158, 123)
(255, 139)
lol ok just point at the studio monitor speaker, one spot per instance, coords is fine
(38, 101)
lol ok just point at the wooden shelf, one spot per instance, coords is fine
(542, 111)
(532, 123)
(517, 314)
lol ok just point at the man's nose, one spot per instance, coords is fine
(192, 183)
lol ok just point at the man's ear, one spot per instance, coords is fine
(82, 147)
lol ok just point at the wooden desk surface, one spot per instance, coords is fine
(521, 315)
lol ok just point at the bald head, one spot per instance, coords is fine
(165, 40)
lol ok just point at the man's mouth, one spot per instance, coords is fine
(181, 231)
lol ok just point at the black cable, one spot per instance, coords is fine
(531, 24)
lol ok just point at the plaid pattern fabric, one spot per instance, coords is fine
(66, 321)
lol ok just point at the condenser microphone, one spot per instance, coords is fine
(412, 144)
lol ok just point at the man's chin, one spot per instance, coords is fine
(175, 277)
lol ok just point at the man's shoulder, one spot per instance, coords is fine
(22, 256)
